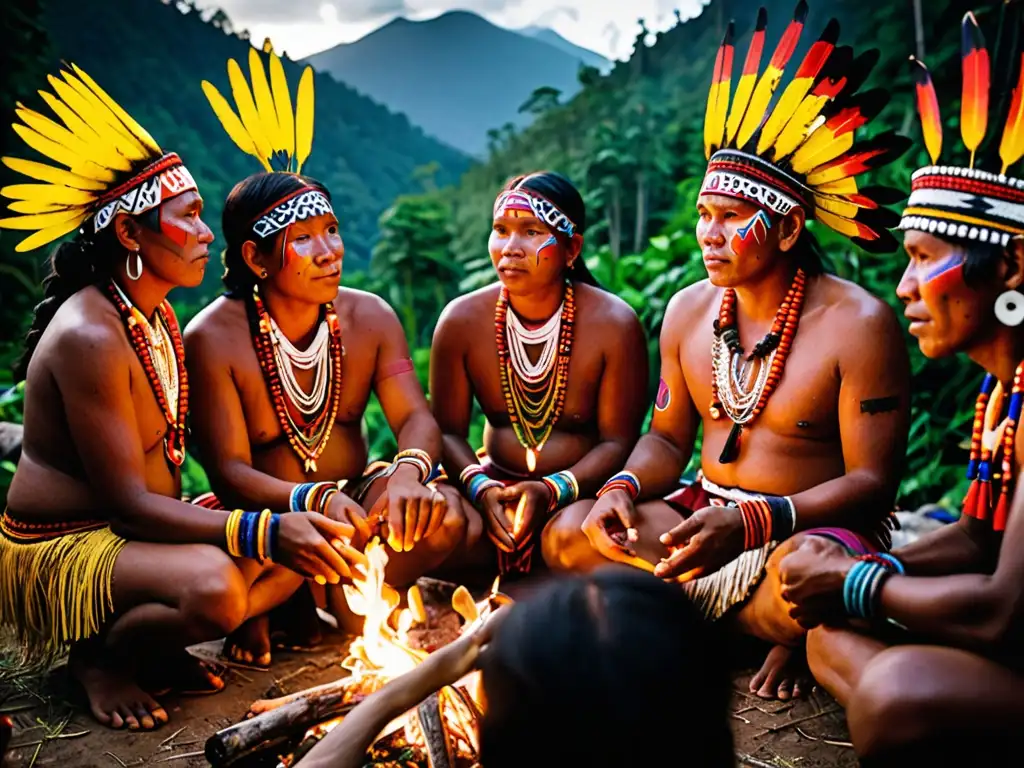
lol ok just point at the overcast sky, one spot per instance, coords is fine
(303, 27)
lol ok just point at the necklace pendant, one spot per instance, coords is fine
(310, 466)
(731, 449)
(714, 412)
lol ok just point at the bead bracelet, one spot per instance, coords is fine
(311, 497)
(564, 489)
(252, 534)
(862, 588)
(767, 518)
(624, 481)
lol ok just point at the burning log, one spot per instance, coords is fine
(286, 717)
(439, 751)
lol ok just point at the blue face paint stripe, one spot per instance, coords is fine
(951, 262)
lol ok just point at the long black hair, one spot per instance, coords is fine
(249, 199)
(559, 190)
(595, 670)
(87, 259)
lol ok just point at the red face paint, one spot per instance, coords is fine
(946, 274)
(751, 234)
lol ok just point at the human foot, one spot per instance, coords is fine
(114, 698)
(184, 673)
(249, 645)
(783, 676)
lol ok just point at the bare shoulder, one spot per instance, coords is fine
(690, 303)
(604, 309)
(366, 311)
(221, 325)
(848, 305)
(87, 327)
(466, 311)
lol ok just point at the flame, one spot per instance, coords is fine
(517, 523)
(383, 652)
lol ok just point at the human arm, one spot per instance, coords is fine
(451, 398)
(413, 510)
(962, 547)
(873, 409)
(92, 369)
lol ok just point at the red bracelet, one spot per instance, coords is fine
(757, 523)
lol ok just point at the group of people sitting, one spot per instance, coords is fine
(803, 406)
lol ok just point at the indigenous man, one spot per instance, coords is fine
(800, 430)
(923, 648)
(96, 551)
(284, 366)
(564, 404)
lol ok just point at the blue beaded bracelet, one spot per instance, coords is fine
(862, 588)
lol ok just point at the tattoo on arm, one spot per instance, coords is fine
(664, 396)
(880, 405)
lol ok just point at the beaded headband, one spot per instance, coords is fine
(302, 204)
(96, 141)
(801, 151)
(519, 199)
(266, 128)
(968, 202)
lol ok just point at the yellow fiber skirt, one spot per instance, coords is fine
(56, 584)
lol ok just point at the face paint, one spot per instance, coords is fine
(664, 396)
(551, 241)
(751, 234)
(944, 274)
(174, 233)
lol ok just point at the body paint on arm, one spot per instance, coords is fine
(751, 234)
(664, 396)
(880, 405)
(396, 368)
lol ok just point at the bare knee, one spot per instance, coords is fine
(564, 546)
(215, 595)
(888, 708)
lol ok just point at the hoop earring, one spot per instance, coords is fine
(138, 266)
(1010, 308)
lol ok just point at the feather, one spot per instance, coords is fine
(869, 235)
(99, 122)
(974, 102)
(718, 98)
(98, 153)
(268, 47)
(1011, 147)
(74, 123)
(40, 220)
(304, 109)
(56, 152)
(264, 101)
(805, 119)
(247, 111)
(836, 134)
(876, 151)
(49, 234)
(99, 133)
(928, 109)
(283, 104)
(769, 81)
(34, 206)
(127, 120)
(43, 172)
(793, 96)
(232, 125)
(748, 78)
(94, 111)
(47, 193)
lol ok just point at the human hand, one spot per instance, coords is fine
(535, 498)
(317, 547)
(613, 510)
(344, 510)
(812, 578)
(499, 527)
(702, 543)
(414, 511)
(454, 661)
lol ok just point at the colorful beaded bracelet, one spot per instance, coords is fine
(767, 518)
(564, 489)
(862, 587)
(311, 497)
(418, 458)
(624, 481)
(252, 534)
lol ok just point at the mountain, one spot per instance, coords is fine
(152, 57)
(549, 36)
(456, 76)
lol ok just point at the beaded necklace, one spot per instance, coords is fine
(534, 399)
(731, 388)
(169, 384)
(309, 438)
(978, 501)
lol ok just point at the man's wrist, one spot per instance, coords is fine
(406, 473)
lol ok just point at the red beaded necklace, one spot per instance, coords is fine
(778, 340)
(534, 409)
(978, 501)
(308, 439)
(135, 323)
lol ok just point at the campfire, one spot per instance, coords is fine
(441, 731)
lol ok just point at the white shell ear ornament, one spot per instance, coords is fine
(1009, 308)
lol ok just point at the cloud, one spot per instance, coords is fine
(257, 11)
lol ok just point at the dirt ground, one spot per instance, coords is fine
(53, 729)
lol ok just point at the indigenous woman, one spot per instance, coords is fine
(557, 365)
(923, 646)
(284, 365)
(97, 554)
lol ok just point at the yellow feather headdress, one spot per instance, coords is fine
(976, 200)
(800, 151)
(110, 164)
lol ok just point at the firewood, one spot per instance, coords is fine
(439, 751)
